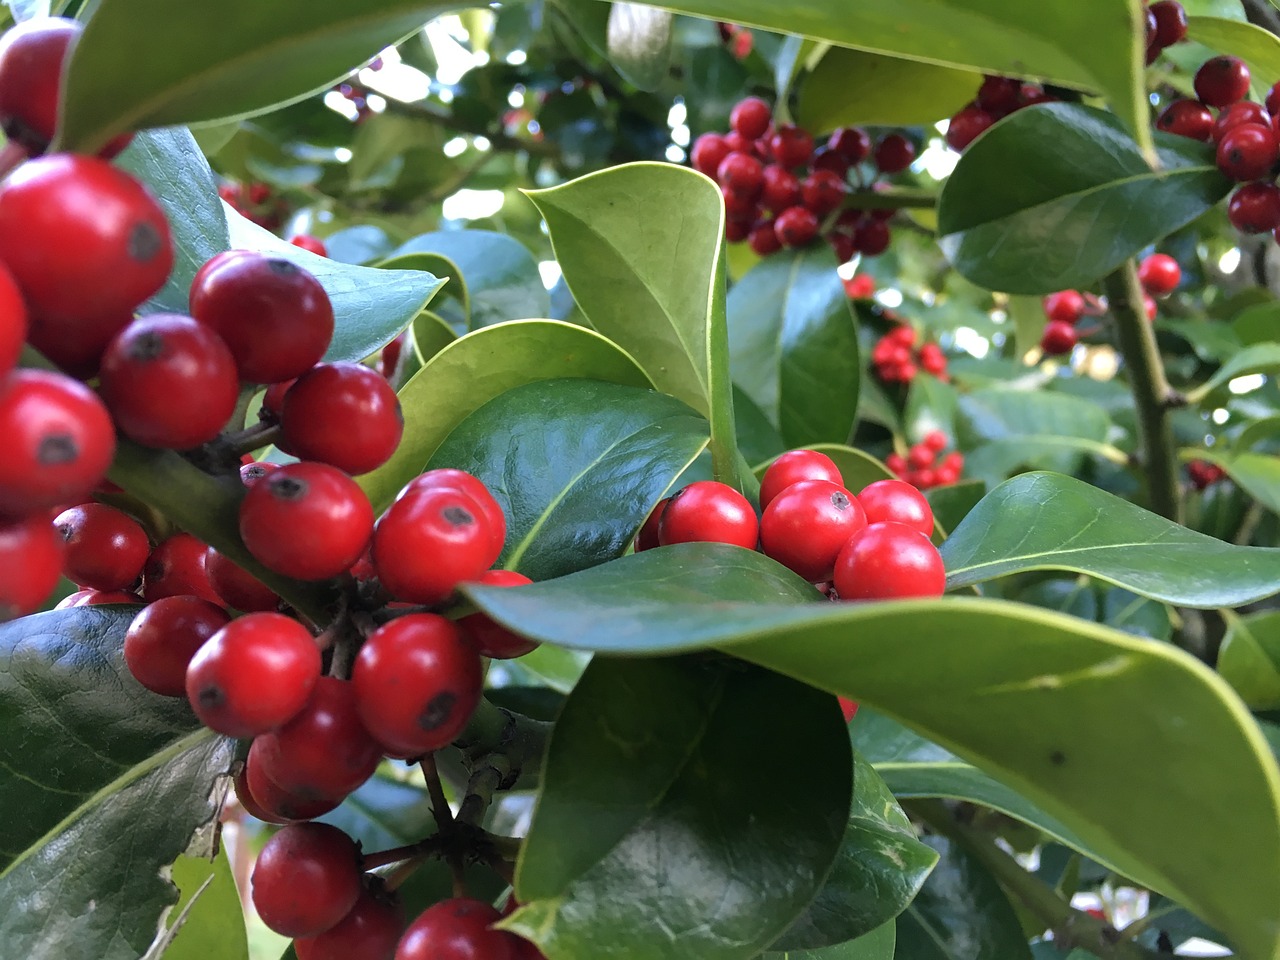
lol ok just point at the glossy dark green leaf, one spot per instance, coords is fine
(430, 335)
(437, 264)
(1044, 521)
(576, 465)
(878, 870)
(877, 945)
(850, 87)
(1256, 323)
(103, 785)
(474, 369)
(961, 914)
(1249, 659)
(213, 929)
(1060, 195)
(1030, 697)
(148, 63)
(678, 832)
(952, 503)
(502, 278)
(793, 346)
(758, 439)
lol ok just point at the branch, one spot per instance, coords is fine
(506, 741)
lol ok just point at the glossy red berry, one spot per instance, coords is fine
(1248, 152)
(1058, 338)
(169, 382)
(709, 512)
(886, 561)
(793, 467)
(253, 675)
(13, 321)
(780, 189)
(1187, 118)
(177, 568)
(1159, 274)
(935, 440)
(894, 153)
(852, 143)
(105, 548)
(451, 479)
(370, 931)
(457, 929)
(741, 173)
(1255, 207)
(310, 244)
(342, 414)
(274, 315)
(429, 541)
(967, 125)
(1171, 22)
(30, 564)
(763, 238)
(647, 535)
(58, 440)
(95, 598)
(824, 158)
(308, 521)
(1065, 306)
(805, 525)
(236, 586)
(919, 457)
(708, 152)
(796, 227)
(791, 146)
(417, 681)
(1243, 111)
(487, 635)
(894, 500)
(270, 802)
(871, 236)
(1221, 81)
(999, 95)
(751, 117)
(306, 879)
(163, 638)
(823, 191)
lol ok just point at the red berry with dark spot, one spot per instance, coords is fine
(1065, 306)
(457, 929)
(105, 548)
(708, 152)
(429, 541)
(342, 414)
(306, 879)
(163, 638)
(270, 802)
(1222, 80)
(1255, 207)
(1159, 274)
(487, 635)
(1058, 338)
(30, 565)
(177, 568)
(795, 466)
(967, 125)
(893, 500)
(709, 512)
(1248, 152)
(894, 153)
(823, 191)
(417, 681)
(852, 143)
(781, 189)
(1187, 118)
(751, 117)
(791, 146)
(887, 561)
(824, 158)
(450, 479)
(796, 227)
(647, 536)
(805, 525)
(741, 207)
(370, 931)
(741, 173)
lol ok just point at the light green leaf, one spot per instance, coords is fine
(850, 87)
(213, 928)
(1250, 659)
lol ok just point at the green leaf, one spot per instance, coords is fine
(1258, 48)
(635, 38)
(877, 945)
(952, 503)
(1042, 521)
(1259, 358)
(103, 786)
(576, 465)
(484, 364)
(213, 929)
(682, 825)
(147, 63)
(1257, 474)
(1059, 195)
(502, 278)
(1031, 697)
(1250, 659)
(758, 439)
(455, 286)
(1257, 323)
(961, 914)
(878, 870)
(850, 87)
(370, 306)
(793, 346)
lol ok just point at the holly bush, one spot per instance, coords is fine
(1047, 315)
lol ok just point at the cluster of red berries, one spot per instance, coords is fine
(738, 39)
(871, 546)
(256, 202)
(920, 467)
(1159, 274)
(996, 99)
(781, 192)
(1204, 474)
(897, 360)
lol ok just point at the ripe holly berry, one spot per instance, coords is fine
(763, 238)
(177, 568)
(887, 561)
(94, 598)
(967, 125)
(709, 512)
(871, 236)
(1221, 81)
(306, 879)
(741, 207)
(805, 525)
(1058, 338)
(796, 227)
(324, 752)
(306, 520)
(164, 637)
(1248, 152)
(370, 931)
(780, 189)
(999, 95)
(457, 929)
(58, 439)
(842, 245)
(741, 173)
(30, 564)
(236, 586)
(751, 117)
(429, 541)
(1255, 207)
(417, 681)
(823, 191)
(791, 146)
(824, 158)
(709, 150)
(86, 244)
(1187, 118)
(253, 675)
(13, 321)
(1171, 22)
(105, 548)
(169, 382)
(310, 244)
(647, 535)
(271, 803)
(899, 502)
(1065, 306)
(793, 467)
(1244, 111)
(894, 153)
(1159, 274)
(274, 315)
(487, 635)
(852, 143)
(450, 479)
(342, 414)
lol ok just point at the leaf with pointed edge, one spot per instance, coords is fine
(214, 927)
(1045, 521)
(876, 945)
(484, 364)
(576, 466)
(1259, 358)
(1249, 659)
(682, 825)
(437, 264)
(850, 87)
(1029, 696)
(635, 38)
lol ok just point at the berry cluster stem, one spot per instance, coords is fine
(1152, 395)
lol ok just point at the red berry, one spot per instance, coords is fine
(823, 191)
(849, 708)
(1149, 305)
(967, 125)
(59, 442)
(236, 586)
(429, 541)
(781, 189)
(899, 502)
(824, 158)
(273, 400)
(1171, 22)
(887, 561)
(274, 315)
(1248, 152)
(999, 95)
(169, 382)
(737, 229)
(791, 146)
(1058, 338)
(904, 335)
(852, 143)
(177, 568)
(737, 143)
(105, 548)
(1159, 274)
(342, 414)
(793, 467)
(919, 457)
(1065, 306)
(709, 150)
(740, 206)
(871, 236)
(1255, 207)
(1273, 99)
(164, 637)
(709, 512)
(457, 929)
(842, 245)
(253, 675)
(936, 441)
(306, 879)
(896, 463)
(370, 931)
(487, 635)
(30, 564)
(741, 173)
(310, 244)
(796, 227)
(417, 681)
(647, 536)
(1244, 111)
(270, 802)
(763, 238)
(251, 473)
(1187, 118)
(13, 322)
(450, 479)
(1222, 80)
(805, 525)
(894, 153)
(751, 117)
